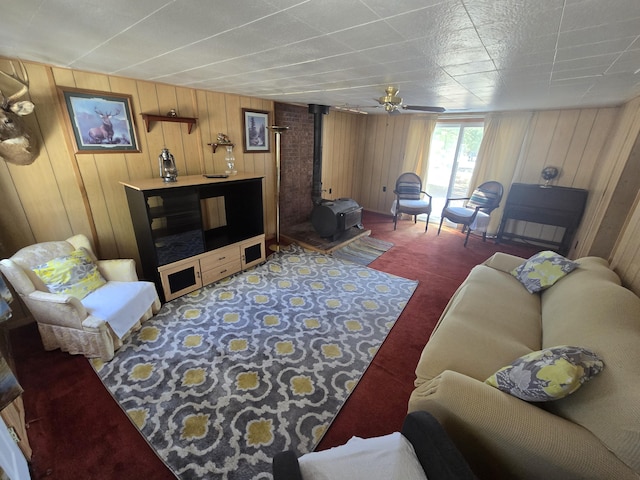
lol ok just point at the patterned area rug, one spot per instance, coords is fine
(363, 251)
(223, 378)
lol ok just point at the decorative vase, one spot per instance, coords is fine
(231, 161)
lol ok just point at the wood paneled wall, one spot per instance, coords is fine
(63, 193)
(363, 156)
(622, 182)
(575, 142)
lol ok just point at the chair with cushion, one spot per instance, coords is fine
(82, 305)
(411, 199)
(423, 450)
(475, 210)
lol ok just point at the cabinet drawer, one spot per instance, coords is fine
(220, 271)
(219, 257)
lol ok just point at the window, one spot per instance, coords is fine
(452, 158)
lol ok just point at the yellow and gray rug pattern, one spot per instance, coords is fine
(225, 377)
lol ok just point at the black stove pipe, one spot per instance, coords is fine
(317, 111)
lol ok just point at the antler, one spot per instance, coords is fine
(23, 82)
(109, 115)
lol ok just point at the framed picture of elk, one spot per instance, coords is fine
(100, 122)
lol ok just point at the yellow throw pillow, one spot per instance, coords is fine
(74, 274)
(547, 374)
(542, 270)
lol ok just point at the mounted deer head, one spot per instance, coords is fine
(17, 144)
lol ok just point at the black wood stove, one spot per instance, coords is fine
(330, 218)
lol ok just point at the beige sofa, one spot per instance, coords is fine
(490, 321)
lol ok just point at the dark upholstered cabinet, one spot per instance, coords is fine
(197, 230)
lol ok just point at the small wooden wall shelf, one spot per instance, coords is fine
(214, 146)
(148, 118)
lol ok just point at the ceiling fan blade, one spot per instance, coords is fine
(424, 109)
(351, 108)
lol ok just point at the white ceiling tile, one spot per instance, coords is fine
(478, 80)
(472, 67)
(596, 64)
(617, 45)
(321, 15)
(443, 20)
(597, 12)
(601, 32)
(387, 9)
(327, 51)
(368, 36)
(463, 56)
(524, 15)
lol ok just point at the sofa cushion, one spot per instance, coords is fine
(542, 270)
(489, 321)
(74, 274)
(591, 309)
(547, 374)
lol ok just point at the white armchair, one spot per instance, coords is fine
(94, 325)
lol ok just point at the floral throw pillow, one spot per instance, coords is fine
(547, 374)
(542, 270)
(74, 274)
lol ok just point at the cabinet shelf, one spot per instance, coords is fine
(162, 212)
(148, 118)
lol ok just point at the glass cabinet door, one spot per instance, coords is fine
(176, 225)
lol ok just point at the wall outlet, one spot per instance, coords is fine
(384, 188)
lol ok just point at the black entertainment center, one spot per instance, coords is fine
(196, 230)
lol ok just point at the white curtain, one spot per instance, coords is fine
(499, 154)
(416, 157)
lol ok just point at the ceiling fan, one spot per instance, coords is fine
(391, 103)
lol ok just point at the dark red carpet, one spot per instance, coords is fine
(78, 431)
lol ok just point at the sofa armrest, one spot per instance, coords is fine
(119, 270)
(501, 436)
(503, 261)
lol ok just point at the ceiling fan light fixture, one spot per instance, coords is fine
(391, 97)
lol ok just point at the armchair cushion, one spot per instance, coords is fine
(408, 190)
(464, 214)
(422, 205)
(484, 198)
(121, 304)
(121, 269)
(74, 274)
